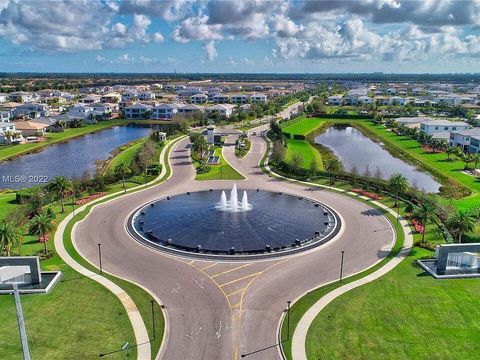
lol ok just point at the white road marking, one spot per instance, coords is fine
(194, 333)
(219, 331)
(176, 290)
(199, 283)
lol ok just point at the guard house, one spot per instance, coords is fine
(213, 135)
(454, 261)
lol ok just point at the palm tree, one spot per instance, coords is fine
(462, 222)
(122, 169)
(397, 184)
(467, 159)
(9, 237)
(449, 150)
(8, 134)
(423, 213)
(476, 160)
(60, 185)
(41, 225)
(333, 166)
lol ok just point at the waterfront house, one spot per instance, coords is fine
(6, 127)
(138, 111)
(474, 147)
(462, 138)
(32, 110)
(413, 122)
(435, 126)
(164, 111)
(189, 108)
(29, 128)
(365, 100)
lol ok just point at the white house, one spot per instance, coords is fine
(412, 121)
(219, 98)
(435, 126)
(397, 100)
(259, 98)
(5, 116)
(391, 91)
(365, 100)
(224, 109)
(6, 127)
(90, 99)
(189, 108)
(474, 147)
(146, 96)
(110, 98)
(239, 99)
(461, 138)
(335, 100)
(164, 111)
(257, 88)
(21, 96)
(32, 110)
(138, 111)
(350, 99)
(198, 99)
(129, 95)
(381, 100)
(3, 97)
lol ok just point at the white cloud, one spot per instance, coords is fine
(210, 51)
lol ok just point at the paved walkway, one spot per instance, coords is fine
(300, 335)
(139, 328)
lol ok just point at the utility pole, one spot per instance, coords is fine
(21, 323)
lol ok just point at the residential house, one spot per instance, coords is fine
(259, 98)
(474, 147)
(20, 96)
(189, 108)
(4, 128)
(223, 109)
(32, 110)
(397, 100)
(417, 91)
(335, 100)
(29, 128)
(219, 98)
(381, 100)
(164, 111)
(351, 98)
(138, 111)
(129, 95)
(110, 98)
(412, 121)
(146, 96)
(435, 126)
(179, 87)
(239, 99)
(5, 116)
(3, 98)
(169, 88)
(198, 99)
(84, 112)
(461, 138)
(256, 88)
(391, 91)
(365, 100)
(45, 93)
(90, 99)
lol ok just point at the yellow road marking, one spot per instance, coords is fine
(239, 279)
(227, 271)
(235, 292)
(209, 266)
(191, 262)
(236, 306)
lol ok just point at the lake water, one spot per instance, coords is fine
(70, 159)
(352, 147)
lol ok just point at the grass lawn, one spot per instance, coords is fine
(8, 151)
(7, 203)
(403, 315)
(126, 155)
(223, 171)
(303, 127)
(308, 152)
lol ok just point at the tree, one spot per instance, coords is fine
(296, 160)
(397, 184)
(449, 150)
(278, 152)
(145, 155)
(424, 213)
(334, 167)
(476, 160)
(122, 170)
(461, 222)
(467, 159)
(313, 167)
(41, 225)
(9, 237)
(60, 185)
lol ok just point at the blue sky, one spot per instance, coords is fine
(240, 36)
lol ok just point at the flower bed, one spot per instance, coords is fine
(367, 194)
(419, 228)
(43, 239)
(89, 198)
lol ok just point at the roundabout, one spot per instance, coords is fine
(225, 307)
(260, 224)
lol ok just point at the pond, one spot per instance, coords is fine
(70, 159)
(352, 147)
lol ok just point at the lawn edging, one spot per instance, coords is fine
(140, 331)
(298, 349)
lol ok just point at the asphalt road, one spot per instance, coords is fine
(221, 310)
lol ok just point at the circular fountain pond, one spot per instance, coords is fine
(227, 223)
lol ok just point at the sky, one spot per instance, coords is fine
(284, 36)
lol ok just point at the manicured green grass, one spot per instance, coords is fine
(7, 203)
(307, 151)
(404, 315)
(303, 127)
(52, 138)
(125, 156)
(223, 171)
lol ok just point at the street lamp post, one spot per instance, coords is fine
(153, 319)
(341, 266)
(288, 319)
(100, 257)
